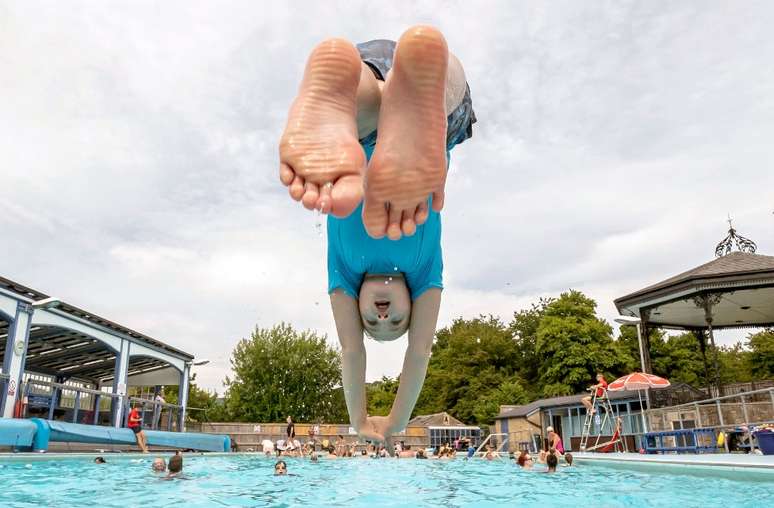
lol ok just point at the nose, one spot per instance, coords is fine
(382, 315)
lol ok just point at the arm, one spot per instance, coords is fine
(353, 355)
(424, 317)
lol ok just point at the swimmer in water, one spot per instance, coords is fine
(383, 195)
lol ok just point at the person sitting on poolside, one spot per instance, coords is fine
(414, 94)
(555, 441)
(525, 460)
(159, 466)
(551, 462)
(601, 389)
(135, 423)
(407, 452)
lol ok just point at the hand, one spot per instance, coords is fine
(380, 429)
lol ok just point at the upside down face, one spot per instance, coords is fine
(385, 306)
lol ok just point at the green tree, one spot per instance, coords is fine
(203, 405)
(762, 354)
(470, 360)
(734, 364)
(381, 394)
(280, 372)
(523, 328)
(679, 359)
(509, 392)
(573, 344)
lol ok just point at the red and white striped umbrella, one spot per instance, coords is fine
(637, 381)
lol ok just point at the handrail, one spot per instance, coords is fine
(714, 399)
(485, 441)
(140, 400)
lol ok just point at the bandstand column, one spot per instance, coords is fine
(183, 396)
(15, 357)
(119, 384)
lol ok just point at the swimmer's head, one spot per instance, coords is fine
(385, 306)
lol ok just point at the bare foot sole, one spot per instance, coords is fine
(321, 160)
(409, 161)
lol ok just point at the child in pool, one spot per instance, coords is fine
(415, 95)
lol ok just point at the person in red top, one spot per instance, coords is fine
(135, 423)
(600, 387)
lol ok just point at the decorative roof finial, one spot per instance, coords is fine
(742, 244)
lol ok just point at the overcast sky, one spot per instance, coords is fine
(138, 143)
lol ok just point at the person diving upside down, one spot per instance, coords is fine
(367, 142)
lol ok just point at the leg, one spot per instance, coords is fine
(321, 160)
(409, 161)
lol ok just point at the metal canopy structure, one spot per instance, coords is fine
(43, 335)
(735, 290)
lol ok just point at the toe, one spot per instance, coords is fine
(421, 213)
(393, 229)
(346, 194)
(311, 193)
(408, 226)
(375, 218)
(286, 174)
(324, 203)
(438, 198)
(297, 188)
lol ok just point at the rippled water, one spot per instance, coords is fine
(244, 480)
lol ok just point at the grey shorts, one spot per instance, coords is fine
(377, 54)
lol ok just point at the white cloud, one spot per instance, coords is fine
(139, 155)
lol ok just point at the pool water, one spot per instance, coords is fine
(248, 480)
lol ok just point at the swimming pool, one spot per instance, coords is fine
(247, 480)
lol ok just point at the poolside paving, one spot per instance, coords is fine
(761, 466)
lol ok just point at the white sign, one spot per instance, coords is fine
(352, 431)
(256, 428)
(121, 389)
(11, 388)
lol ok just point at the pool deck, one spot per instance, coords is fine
(763, 464)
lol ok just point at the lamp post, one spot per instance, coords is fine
(630, 321)
(637, 323)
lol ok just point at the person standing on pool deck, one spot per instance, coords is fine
(135, 423)
(291, 432)
(414, 94)
(554, 441)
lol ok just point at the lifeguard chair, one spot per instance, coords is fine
(610, 422)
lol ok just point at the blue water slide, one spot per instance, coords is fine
(48, 431)
(16, 432)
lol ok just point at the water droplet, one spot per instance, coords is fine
(478, 339)
(318, 222)
(395, 268)
(386, 282)
(390, 278)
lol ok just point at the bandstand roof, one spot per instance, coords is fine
(55, 350)
(740, 283)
